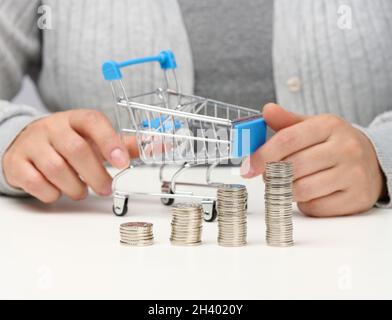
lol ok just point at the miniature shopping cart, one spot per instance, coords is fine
(172, 128)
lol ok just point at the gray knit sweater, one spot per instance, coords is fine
(318, 67)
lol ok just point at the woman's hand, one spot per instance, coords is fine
(336, 171)
(63, 154)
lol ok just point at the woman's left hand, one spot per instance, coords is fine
(336, 170)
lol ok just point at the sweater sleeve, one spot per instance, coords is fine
(380, 134)
(19, 51)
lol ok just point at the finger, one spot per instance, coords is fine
(318, 185)
(79, 154)
(314, 159)
(278, 118)
(337, 204)
(130, 143)
(95, 149)
(288, 141)
(93, 124)
(34, 183)
(59, 173)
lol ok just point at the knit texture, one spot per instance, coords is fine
(345, 72)
(66, 61)
(231, 43)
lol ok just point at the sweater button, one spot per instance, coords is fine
(294, 84)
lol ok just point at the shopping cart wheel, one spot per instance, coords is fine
(167, 201)
(165, 188)
(209, 210)
(120, 206)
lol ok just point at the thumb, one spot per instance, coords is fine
(278, 118)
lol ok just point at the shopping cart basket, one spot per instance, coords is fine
(172, 128)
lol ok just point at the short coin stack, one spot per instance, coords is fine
(278, 204)
(137, 234)
(187, 224)
(232, 220)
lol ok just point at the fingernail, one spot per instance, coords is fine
(119, 159)
(246, 169)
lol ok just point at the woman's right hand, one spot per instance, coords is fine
(63, 154)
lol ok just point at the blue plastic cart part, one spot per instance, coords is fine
(249, 134)
(162, 124)
(111, 69)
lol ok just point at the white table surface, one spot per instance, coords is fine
(72, 250)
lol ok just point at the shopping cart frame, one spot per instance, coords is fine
(240, 122)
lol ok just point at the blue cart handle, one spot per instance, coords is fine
(249, 135)
(111, 69)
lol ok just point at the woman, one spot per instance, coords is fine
(335, 77)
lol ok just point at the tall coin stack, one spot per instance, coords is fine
(232, 220)
(187, 224)
(136, 234)
(278, 204)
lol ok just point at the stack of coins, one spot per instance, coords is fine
(187, 224)
(137, 234)
(232, 221)
(278, 204)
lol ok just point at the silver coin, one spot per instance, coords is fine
(127, 236)
(280, 244)
(186, 224)
(285, 238)
(278, 204)
(232, 220)
(147, 236)
(175, 243)
(187, 227)
(232, 215)
(136, 234)
(137, 243)
(230, 231)
(136, 225)
(232, 244)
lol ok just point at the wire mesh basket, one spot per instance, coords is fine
(180, 129)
